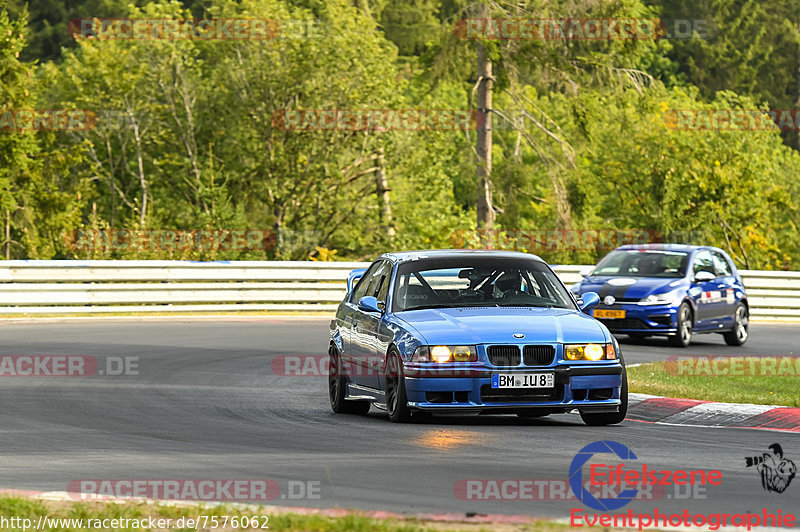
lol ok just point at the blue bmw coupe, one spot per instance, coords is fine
(672, 290)
(462, 331)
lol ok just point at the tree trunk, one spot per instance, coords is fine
(484, 147)
(382, 190)
(8, 235)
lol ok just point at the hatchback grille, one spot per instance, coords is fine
(624, 323)
(503, 355)
(538, 355)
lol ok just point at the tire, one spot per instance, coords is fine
(741, 326)
(611, 418)
(684, 335)
(396, 399)
(337, 388)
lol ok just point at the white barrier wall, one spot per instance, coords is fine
(59, 287)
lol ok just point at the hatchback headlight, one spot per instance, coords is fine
(445, 353)
(590, 352)
(658, 299)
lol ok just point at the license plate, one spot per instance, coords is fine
(523, 380)
(609, 313)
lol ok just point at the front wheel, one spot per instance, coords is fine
(396, 400)
(337, 388)
(741, 324)
(684, 335)
(611, 418)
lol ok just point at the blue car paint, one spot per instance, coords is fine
(707, 312)
(407, 330)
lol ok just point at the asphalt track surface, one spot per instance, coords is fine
(206, 404)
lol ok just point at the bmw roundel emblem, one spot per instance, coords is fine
(609, 300)
(519, 335)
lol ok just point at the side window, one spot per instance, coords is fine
(377, 279)
(722, 266)
(363, 283)
(703, 262)
(383, 289)
(380, 278)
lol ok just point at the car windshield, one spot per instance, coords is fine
(471, 282)
(643, 263)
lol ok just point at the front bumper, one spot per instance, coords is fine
(642, 319)
(587, 388)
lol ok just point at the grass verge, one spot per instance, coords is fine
(757, 380)
(98, 516)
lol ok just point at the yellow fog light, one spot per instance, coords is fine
(441, 353)
(593, 352)
(573, 352)
(462, 353)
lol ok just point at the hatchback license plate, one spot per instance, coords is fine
(523, 380)
(609, 313)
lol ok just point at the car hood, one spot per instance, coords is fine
(630, 287)
(499, 324)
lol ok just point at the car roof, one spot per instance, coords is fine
(666, 247)
(403, 256)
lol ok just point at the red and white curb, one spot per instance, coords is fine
(669, 411)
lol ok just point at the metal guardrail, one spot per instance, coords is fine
(104, 286)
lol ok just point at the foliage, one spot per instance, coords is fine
(189, 133)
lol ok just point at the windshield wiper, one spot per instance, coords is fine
(424, 307)
(526, 305)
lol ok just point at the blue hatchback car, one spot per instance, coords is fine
(463, 331)
(674, 290)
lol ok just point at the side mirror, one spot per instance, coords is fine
(370, 304)
(589, 300)
(702, 277)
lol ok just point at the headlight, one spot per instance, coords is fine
(590, 352)
(657, 299)
(445, 353)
